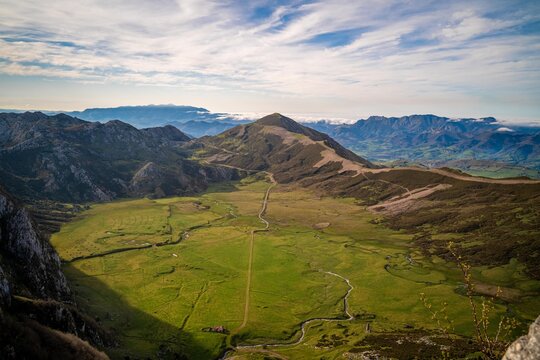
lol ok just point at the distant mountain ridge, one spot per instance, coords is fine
(434, 139)
(144, 116)
(429, 139)
(183, 117)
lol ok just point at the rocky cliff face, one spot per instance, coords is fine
(31, 267)
(37, 316)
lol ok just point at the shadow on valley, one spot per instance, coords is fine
(138, 334)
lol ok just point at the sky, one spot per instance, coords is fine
(317, 59)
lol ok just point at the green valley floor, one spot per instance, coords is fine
(200, 275)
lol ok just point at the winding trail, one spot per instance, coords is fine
(305, 323)
(407, 190)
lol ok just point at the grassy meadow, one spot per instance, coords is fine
(182, 267)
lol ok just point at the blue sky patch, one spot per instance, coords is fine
(337, 38)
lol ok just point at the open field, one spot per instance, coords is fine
(184, 261)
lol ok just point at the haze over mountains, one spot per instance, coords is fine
(157, 115)
(194, 121)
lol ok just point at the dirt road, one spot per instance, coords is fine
(251, 246)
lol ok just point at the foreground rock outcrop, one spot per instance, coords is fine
(526, 347)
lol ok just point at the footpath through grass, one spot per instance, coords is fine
(163, 299)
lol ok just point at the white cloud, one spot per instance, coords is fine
(504, 129)
(466, 24)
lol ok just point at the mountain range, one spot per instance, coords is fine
(435, 140)
(67, 159)
(58, 159)
(477, 146)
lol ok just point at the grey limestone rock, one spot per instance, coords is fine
(526, 347)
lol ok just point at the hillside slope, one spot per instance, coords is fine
(280, 145)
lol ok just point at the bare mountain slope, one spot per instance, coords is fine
(280, 145)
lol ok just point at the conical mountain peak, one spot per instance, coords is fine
(276, 119)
